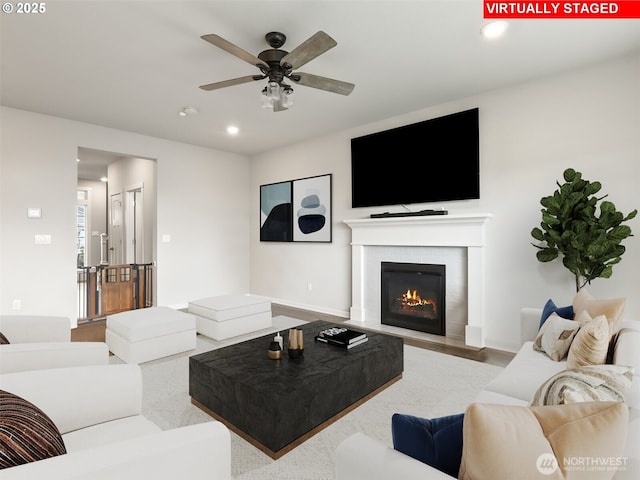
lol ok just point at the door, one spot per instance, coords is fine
(134, 226)
(117, 283)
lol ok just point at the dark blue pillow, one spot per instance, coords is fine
(436, 442)
(550, 307)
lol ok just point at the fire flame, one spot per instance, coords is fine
(413, 299)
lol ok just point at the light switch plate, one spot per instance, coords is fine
(34, 212)
(43, 239)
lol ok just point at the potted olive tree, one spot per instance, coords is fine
(584, 229)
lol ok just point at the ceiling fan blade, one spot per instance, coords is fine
(323, 83)
(232, 82)
(227, 46)
(314, 46)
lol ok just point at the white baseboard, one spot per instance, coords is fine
(311, 308)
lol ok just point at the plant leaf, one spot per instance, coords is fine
(547, 254)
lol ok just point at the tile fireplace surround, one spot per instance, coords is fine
(419, 236)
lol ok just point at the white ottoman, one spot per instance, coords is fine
(228, 316)
(146, 334)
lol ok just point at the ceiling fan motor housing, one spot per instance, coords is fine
(272, 57)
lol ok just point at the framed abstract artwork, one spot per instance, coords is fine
(275, 212)
(296, 210)
(312, 209)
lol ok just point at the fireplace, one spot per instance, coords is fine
(413, 296)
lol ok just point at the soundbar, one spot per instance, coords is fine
(419, 213)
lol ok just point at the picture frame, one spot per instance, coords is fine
(312, 209)
(276, 223)
(297, 210)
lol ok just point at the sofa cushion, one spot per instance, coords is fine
(555, 337)
(109, 432)
(612, 308)
(536, 442)
(436, 442)
(591, 343)
(525, 373)
(4, 340)
(586, 384)
(27, 434)
(550, 307)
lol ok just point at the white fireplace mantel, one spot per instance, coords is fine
(459, 230)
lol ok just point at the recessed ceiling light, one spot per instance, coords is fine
(232, 130)
(494, 29)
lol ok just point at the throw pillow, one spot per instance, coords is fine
(555, 337)
(612, 308)
(591, 343)
(507, 441)
(27, 434)
(586, 384)
(436, 442)
(550, 307)
(3, 340)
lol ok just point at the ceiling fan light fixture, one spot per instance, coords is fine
(286, 96)
(267, 102)
(273, 91)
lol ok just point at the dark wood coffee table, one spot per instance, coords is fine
(278, 404)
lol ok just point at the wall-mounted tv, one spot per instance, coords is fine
(436, 160)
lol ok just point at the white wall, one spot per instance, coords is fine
(587, 119)
(203, 205)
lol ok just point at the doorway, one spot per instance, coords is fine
(118, 225)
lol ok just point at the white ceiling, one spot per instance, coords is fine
(132, 65)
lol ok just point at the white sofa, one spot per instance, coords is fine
(44, 341)
(98, 412)
(361, 457)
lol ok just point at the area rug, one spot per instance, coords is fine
(433, 384)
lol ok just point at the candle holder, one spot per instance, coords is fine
(274, 352)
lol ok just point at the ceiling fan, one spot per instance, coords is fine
(278, 65)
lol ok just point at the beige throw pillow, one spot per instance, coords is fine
(591, 343)
(506, 441)
(555, 337)
(612, 308)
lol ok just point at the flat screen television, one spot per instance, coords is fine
(436, 160)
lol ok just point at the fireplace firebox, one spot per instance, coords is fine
(413, 296)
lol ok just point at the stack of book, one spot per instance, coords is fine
(342, 337)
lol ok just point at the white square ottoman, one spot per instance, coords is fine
(146, 334)
(228, 316)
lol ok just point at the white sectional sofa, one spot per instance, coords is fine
(97, 409)
(361, 457)
(44, 341)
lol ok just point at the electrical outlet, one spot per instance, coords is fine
(17, 304)
(309, 286)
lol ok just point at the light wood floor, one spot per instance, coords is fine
(94, 332)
